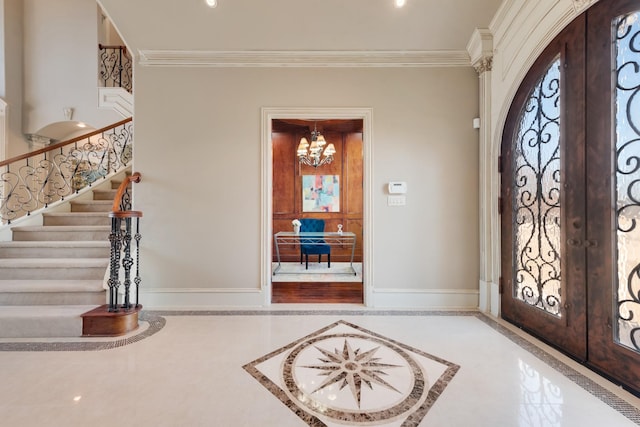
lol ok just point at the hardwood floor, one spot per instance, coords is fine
(317, 292)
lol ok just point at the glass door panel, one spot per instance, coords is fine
(626, 139)
(536, 204)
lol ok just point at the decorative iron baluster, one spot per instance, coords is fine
(35, 180)
(127, 262)
(115, 238)
(536, 203)
(626, 107)
(116, 67)
(137, 280)
(122, 227)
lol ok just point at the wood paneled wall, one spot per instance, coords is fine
(287, 188)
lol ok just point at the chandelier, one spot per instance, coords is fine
(315, 154)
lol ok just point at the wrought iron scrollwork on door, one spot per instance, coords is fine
(626, 107)
(536, 202)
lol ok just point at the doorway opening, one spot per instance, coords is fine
(334, 194)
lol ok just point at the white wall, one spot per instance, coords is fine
(60, 64)
(198, 148)
(12, 29)
(107, 33)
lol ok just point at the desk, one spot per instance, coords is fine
(289, 238)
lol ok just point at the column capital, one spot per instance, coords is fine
(483, 64)
(37, 141)
(480, 48)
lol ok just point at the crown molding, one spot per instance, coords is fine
(308, 59)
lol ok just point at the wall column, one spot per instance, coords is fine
(480, 50)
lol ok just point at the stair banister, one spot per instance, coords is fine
(120, 238)
(116, 67)
(36, 179)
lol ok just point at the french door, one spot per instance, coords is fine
(571, 194)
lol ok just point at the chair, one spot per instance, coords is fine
(313, 226)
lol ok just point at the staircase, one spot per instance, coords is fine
(53, 273)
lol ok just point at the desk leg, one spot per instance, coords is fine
(275, 270)
(353, 250)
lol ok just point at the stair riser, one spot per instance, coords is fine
(90, 207)
(52, 298)
(65, 273)
(100, 252)
(37, 327)
(104, 195)
(76, 235)
(76, 219)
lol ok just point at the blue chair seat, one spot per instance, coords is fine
(308, 225)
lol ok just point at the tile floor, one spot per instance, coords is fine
(294, 367)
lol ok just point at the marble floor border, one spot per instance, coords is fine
(156, 320)
(155, 324)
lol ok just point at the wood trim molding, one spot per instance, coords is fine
(283, 58)
(117, 99)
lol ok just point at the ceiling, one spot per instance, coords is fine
(238, 25)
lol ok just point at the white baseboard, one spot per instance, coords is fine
(427, 299)
(211, 299)
(200, 298)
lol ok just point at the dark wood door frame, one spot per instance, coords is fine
(567, 329)
(588, 325)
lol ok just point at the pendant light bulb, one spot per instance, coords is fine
(211, 3)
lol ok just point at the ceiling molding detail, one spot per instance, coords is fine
(480, 48)
(303, 59)
(581, 5)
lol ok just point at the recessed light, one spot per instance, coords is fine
(211, 3)
(400, 3)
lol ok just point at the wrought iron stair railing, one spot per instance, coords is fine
(121, 257)
(37, 179)
(116, 67)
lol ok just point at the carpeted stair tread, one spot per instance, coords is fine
(54, 249)
(92, 206)
(61, 232)
(57, 228)
(36, 285)
(93, 202)
(53, 262)
(76, 214)
(76, 218)
(55, 244)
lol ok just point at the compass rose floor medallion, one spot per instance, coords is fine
(346, 375)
